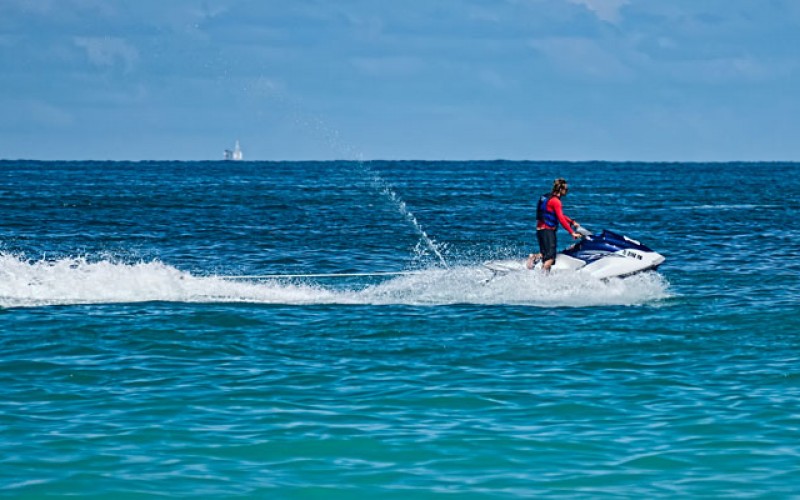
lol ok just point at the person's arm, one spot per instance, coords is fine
(563, 219)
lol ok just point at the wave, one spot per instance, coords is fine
(73, 281)
(722, 207)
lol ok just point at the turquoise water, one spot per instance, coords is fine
(130, 366)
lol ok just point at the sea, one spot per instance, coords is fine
(316, 330)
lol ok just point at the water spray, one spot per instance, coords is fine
(378, 183)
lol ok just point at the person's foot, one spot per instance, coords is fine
(532, 258)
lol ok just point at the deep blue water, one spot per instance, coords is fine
(131, 366)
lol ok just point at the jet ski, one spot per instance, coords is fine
(603, 256)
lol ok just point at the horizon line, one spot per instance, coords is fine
(410, 160)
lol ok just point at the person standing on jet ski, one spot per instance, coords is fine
(549, 214)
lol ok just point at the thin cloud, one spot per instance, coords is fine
(57, 10)
(729, 70)
(107, 52)
(396, 66)
(605, 10)
(45, 114)
(583, 57)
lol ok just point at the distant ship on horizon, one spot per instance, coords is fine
(235, 154)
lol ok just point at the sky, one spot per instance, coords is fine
(617, 80)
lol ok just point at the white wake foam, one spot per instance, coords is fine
(78, 281)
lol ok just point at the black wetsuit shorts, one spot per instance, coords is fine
(547, 243)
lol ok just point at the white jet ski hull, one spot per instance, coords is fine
(608, 255)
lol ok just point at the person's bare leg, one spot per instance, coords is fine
(547, 264)
(532, 258)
